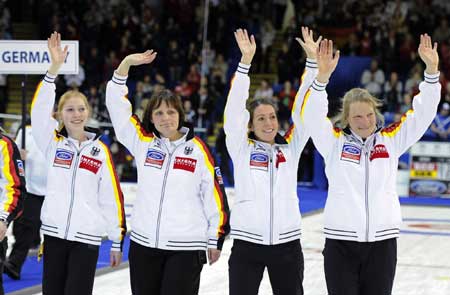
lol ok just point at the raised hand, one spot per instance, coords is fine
(326, 61)
(246, 45)
(308, 44)
(135, 59)
(57, 54)
(428, 53)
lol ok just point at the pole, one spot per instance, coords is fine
(24, 110)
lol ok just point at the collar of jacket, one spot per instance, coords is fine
(348, 133)
(190, 132)
(63, 132)
(279, 139)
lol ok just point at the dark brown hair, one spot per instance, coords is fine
(252, 104)
(171, 99)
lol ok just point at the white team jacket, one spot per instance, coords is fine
(266, 207)
(362, 203)
(180, 203)
(84, 199)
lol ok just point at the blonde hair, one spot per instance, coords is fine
(62, 101)
(357, 95)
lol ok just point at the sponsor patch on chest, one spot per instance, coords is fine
(63, 158)
(187, 164)
(259, 161)
(379, 151)
(90, 164)
(154, 158)
(351, 153)
(280, 158)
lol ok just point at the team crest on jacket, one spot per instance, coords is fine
(20, 168)
(154, 158)
(187, 164)
(95, 151)
(90, 164)
(63, 158)
(188, 150)
(259, 161)
(351, 153)
(379, 151)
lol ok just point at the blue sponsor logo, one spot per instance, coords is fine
(428, 187)
(156, 155)
(64, 155)
(259, 157)
(351, 149)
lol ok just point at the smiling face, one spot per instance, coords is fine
(74, 112)
(265, 123)
(362, 118)
(166, 120)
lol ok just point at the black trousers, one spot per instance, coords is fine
(284, 264)
(69, 267)
(26, 230)
(3, 248)
(165, 272)
(355, 268)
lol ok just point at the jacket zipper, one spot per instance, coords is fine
(72, 197)
(271, 197)
(163, 189)
(366, 189)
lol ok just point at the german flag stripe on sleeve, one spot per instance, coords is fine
(393, 128)
(143, 135)
(38, 88)
(118, 195)
(289, 133)
(294, 105)
(336, 131)
(10, 173)
(218, 196)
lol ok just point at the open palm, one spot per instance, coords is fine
(246, 45)
(427, 52)
(137, 59)
(57, 54)
(308, 44)
(326, 60)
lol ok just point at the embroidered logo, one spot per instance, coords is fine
(95, 151)
(379, 151)
(188, 150)
(280, 158)
(351, 153)
(90, 164)
(20, 168)
(259, 161)
(63, 158)
(154, 158)
(187, 164)
(218, 175)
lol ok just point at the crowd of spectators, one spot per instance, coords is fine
(386, 31)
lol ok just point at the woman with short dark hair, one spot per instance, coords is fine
(181, 210)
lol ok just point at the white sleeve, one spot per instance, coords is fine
(316, 121)
(42, 122)
(416, 121)
(236, 115)
(128, 128)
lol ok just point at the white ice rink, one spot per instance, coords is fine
(423, 259)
